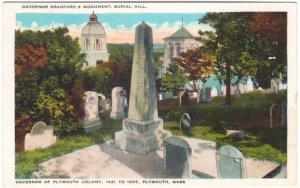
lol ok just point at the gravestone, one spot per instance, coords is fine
(91, 121)
(107, 104)
(160, 97)
(195, 94)
(101, 103)
(276, 85)
(208, 94)
(185, 98)
(41, 136)
(275, 115)
(249, 86)
(237, 93)
(230, 163)
(283, 112)
(223, 89)
(168, 95)
(185, 122)
(177, 158)
(201, 96)
(142, 132)
(119, 103)
(214, 92)
(241, 87)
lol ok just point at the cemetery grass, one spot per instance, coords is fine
(209, 122)
(250, 112)
(27, 162)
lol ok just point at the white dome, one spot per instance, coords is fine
(93, 28)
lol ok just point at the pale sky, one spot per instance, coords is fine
(119, 27)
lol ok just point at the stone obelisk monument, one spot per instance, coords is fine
(142, 131)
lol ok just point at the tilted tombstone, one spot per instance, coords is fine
(214, 92)
(41, 136)
(177, 158)
(91, 121)
(142, 132)
(230, 163)
(275, 115)
(207, 94)
(119, 103)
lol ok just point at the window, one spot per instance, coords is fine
(87, 44)
(98, 44)
(177, 49)
(170, 47)
(98, 62)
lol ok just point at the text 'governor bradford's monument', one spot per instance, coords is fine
(142, 130)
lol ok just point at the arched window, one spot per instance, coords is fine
(98, 44)
(171, 49)
(177, 47)
(87, 44)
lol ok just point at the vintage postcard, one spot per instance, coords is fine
(127, 93)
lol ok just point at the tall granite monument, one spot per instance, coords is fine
(142, 131)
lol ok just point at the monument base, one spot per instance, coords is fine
(117, 115)
(91, 126)
(141, 136)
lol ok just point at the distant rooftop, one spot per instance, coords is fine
(181, 33)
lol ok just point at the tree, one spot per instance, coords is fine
(120, 63)
(196, 64)
(241, 49)
(174, 79)
(48, 68)
(271, 46)
(98, 79)
(28, 58)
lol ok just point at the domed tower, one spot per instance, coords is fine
(93, 42)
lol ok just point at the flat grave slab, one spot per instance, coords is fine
(105, 161)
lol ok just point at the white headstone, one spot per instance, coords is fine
(230, 163)
(214, 92)
(119, 103)
(41, 136)
(91, 121)
(223, 88)
(195, 94)
(249, 84)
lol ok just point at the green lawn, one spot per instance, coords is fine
(209, 122)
